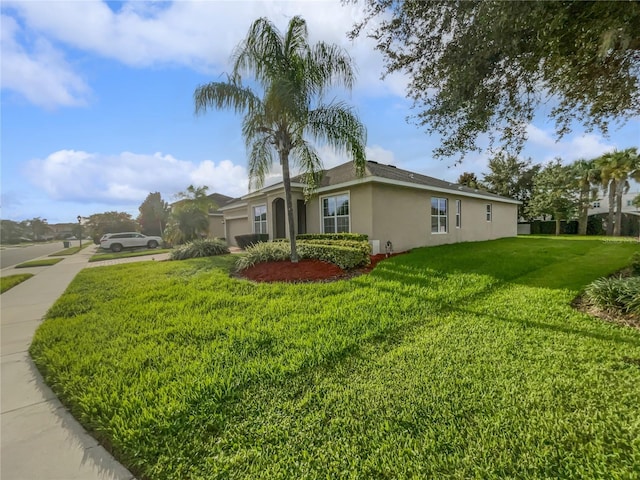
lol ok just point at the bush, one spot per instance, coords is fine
(363, 246)
(249, 239)
(342, 256)
(357, 237)
(264, 252)
(622, 294)
(635, 263)
(207, 247)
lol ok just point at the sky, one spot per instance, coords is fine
(97, 104)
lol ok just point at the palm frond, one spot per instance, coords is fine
(330, 65)
(260, 160)
(260, 53)
(340, 128)
(228, 95)
(296, 39)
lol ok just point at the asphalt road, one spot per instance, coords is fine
(10, 255)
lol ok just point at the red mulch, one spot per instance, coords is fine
(304, 271)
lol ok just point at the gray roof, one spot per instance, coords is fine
(219, 200)
(347, 173)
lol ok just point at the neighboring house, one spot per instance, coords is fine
(601, 204)
(387, 204)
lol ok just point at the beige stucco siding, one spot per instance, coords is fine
(360, 209)
(216, 226)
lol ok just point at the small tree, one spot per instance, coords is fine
(469, 179)
(189, 219)
(154, 213)
(38, 227)
(555, 193)
(510, 177)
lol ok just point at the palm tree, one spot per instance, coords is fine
(617, 168)
(587, 174)
(189, 218)
(293, 77)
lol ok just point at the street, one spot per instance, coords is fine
(13, 255)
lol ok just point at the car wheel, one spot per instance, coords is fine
(116, 247)
(152, 244)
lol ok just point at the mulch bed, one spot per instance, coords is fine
(306, 270)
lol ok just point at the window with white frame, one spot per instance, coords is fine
(458, 213)
(596, 204)
(335, 214)
(260, 219)
(489, 212)
(438, 215)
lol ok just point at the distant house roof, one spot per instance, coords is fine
(219, 200)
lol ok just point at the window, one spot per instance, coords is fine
(335, 214)
(260, 219)
(629, 203)
(458, 213)
(596, 204)
(489, 214)
(438, 215)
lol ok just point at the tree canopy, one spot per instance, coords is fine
(154, 213)
(109, 222)
(511, 177)
(480, 67)
(555, 193)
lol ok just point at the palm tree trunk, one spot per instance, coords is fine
(617, 226)
(612, 195)
(584, 210)
(286, 178)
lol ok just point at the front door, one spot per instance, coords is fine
(279, 219)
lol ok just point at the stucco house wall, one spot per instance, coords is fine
(387, 204)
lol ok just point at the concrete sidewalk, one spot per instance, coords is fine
(40, 439)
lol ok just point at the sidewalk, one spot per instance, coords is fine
(40, 438)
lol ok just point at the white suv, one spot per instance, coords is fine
(117, 241)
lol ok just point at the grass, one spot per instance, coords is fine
(44, 262)
(459, 361)
(12, 280)
(71, 250)
(98, 257)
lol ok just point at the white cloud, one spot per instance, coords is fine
(40, 74)
(587, 145)
(77, 176)
(200, 35)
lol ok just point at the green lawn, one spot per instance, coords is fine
(12, 280)
(98, 257)
(72, 250)
(460, 361)
(43, 262)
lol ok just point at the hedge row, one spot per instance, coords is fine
(249, 239)
(344, 257)
(207, 247)
(363, 246)
(356, 237)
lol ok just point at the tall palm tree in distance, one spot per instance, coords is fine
(289, 111)
(588, 176)
(616, 169)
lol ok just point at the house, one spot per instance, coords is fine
(216, 219)
(387, 204)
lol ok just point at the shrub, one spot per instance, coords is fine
(363, 246)
(357, 237)
(207, 247)
(249, 239)
(342, 256)
(635, 263)
(621, 294)
(264, 252)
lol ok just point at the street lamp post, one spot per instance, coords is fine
(80, 230)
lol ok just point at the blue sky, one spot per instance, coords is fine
(97, 107)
